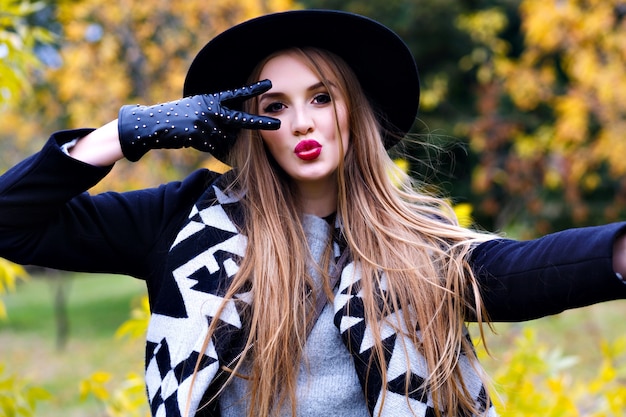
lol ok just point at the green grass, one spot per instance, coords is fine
(96, 305)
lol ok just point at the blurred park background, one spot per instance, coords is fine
(525, 100)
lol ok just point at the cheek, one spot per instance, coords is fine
(269, 136)
(271, 139)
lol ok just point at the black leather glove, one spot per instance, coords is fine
(200, 121)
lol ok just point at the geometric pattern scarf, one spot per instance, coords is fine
(201, 262)
(357, 336)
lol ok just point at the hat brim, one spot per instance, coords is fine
(380, 59)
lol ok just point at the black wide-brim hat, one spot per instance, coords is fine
(380, 59)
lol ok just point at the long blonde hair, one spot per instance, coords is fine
(412, 237)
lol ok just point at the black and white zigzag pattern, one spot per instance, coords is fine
(357, 336)
(207, 248)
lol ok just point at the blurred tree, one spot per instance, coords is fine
(549, 131)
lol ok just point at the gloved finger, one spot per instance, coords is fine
(248, 121)
(246, 92)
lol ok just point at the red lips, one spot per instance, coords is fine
(308, 149)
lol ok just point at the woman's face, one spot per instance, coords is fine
(306, 144)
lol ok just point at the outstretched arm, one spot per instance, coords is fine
(524, 280)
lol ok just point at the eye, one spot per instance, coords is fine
(274, 107)
(322, 98)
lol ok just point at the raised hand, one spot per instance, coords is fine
(202, 122)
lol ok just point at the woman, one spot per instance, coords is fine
(302, 282)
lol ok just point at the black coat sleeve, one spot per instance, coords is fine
(48, 219)
(524, 280)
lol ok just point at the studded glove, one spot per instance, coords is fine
(200, 121)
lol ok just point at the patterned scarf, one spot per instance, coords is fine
(202, 260)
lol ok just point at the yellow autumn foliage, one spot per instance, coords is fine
(18, 397)
(591, 46)
(552, 113)
(18, 39)
(534, 379)
(125, 399)
(10, 273)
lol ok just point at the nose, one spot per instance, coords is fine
(302, 122)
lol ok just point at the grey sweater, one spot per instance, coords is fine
(327, 382)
